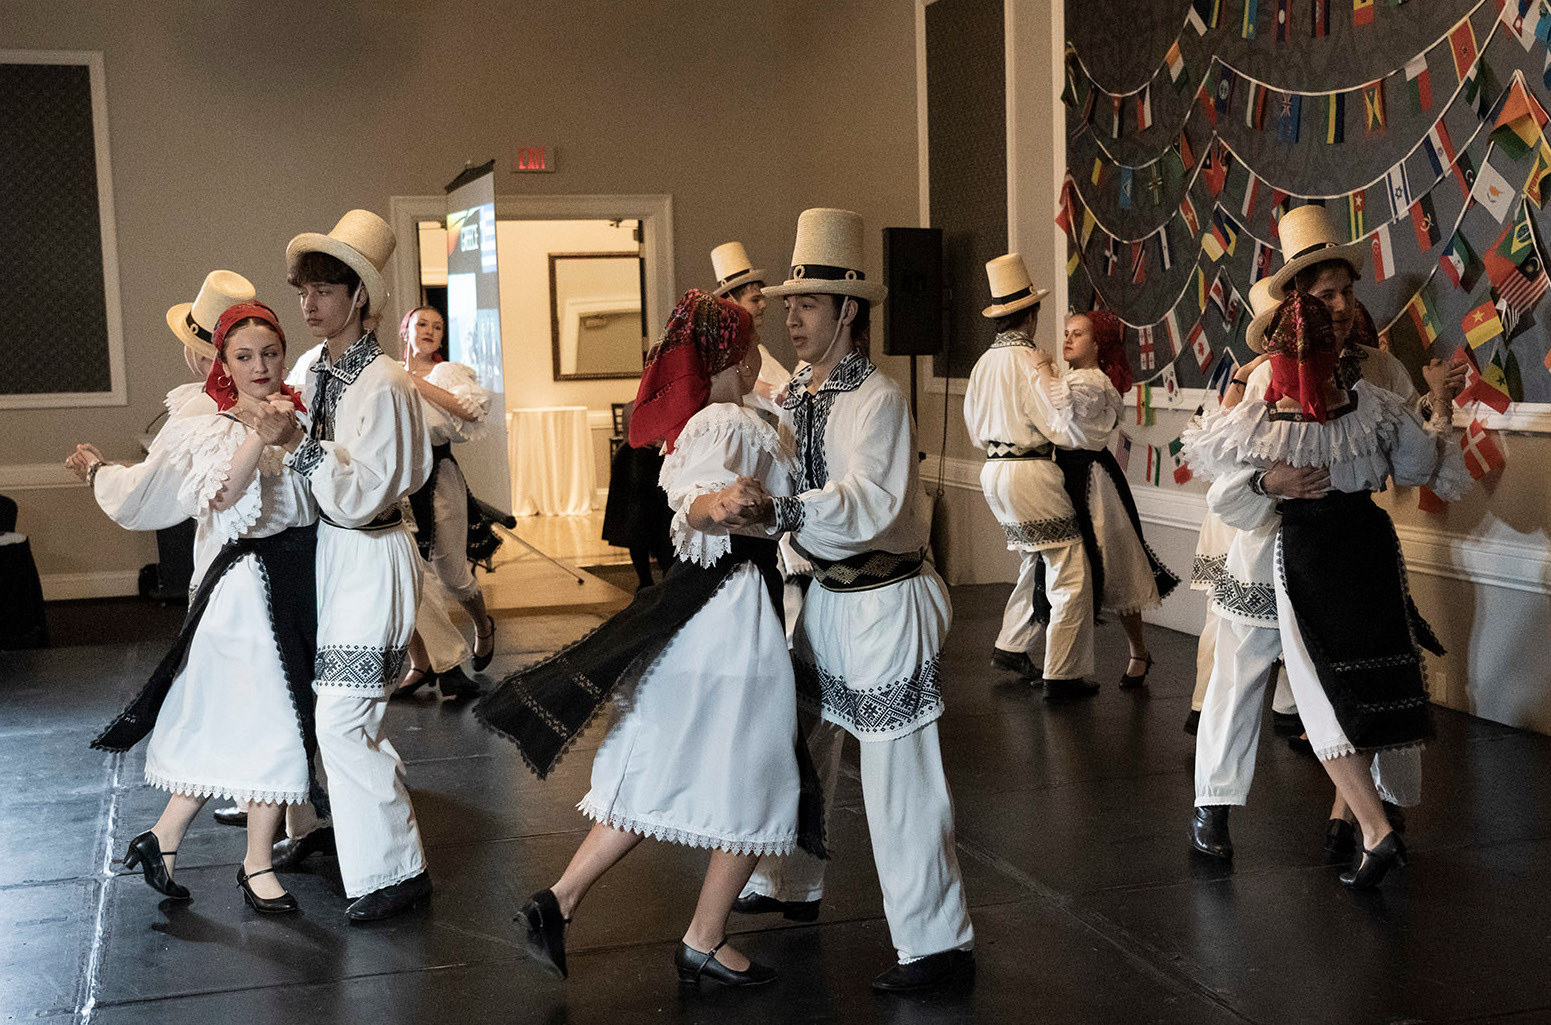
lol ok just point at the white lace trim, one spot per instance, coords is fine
(1078, 397)
(463, 384)
(689, 544)
(784, 844)
(1345, 748)
(223, 791)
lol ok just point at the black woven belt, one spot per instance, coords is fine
(391, 518)
(865, 571)
(1007, 450)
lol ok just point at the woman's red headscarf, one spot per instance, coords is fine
(1304, 351)
(218, 385)
(705, 335)
(1110, 337)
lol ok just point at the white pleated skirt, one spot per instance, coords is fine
(704, 749)
(228, 728)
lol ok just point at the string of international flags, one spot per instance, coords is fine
(1513, 263)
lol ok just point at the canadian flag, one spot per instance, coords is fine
(1482, 455)
(1201, 347)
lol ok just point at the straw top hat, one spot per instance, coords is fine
(1263, 304)
(194, 322)
(731, 266)
(1011, 289)
(361, 241)
(827, 258)
(1308, 238)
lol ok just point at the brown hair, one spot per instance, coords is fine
(315, 268)
(1304, 279)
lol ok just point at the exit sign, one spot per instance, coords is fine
(535, 159)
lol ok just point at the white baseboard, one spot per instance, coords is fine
(1486, 561)
(101, 584)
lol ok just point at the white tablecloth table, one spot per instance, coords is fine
(553, 470)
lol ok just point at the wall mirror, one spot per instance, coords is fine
(596, 315)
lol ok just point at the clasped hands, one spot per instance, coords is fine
(274, 421)
(742, 505)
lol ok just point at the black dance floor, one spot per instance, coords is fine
(1088, 904)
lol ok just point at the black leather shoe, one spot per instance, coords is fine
(454, 684)
(264, 905)
(1193, 722)
(287, 855)
(232, 816)
(1389, 853)
(792, 911)
(146, 852)
(1064, 690)
(1286, 724)
(482, 662)
(932, 970)
(546, 930)
(1340, 839)
(1129, 682)
(1015, 662)
(1209, 831)
(390, 900)
(407, 689)
(1300, 744)
(694, 965)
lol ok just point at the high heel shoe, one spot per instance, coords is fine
(694, 965)
(482, 661)
(408, 687)
(146, 852)
(454, 684)
(264, 905)
(1129, 682)
(546, 930)
(1376, 863)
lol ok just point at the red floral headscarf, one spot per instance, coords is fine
(1304, 351)
(705, 335)
(219, 385)
(1110, 337)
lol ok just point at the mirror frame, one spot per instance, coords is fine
(554, 316)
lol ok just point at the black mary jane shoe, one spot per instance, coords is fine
(407, 689)
(1129, 682)
(791, 910)
(932, 970)
(287, 855)
(546, 931)
(454, 684)
(264, 905)
(1209, 831)
(694, 965)
(482, 662)
(146, 852)
(1340, 839)
(1015, 662)
(1065, 690)
(235, 815)
(1193, 721)
(1389, 853)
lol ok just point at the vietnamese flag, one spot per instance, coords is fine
(1462, 43)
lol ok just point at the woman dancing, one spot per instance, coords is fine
(1349, 631)
(1127, 576)
(229, 709)
(455, 408)
(705, 752)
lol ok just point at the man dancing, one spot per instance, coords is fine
(867, 641)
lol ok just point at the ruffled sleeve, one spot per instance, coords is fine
(1079, 405)
(719, 444)
(209, 443)
(1421, 453)
(1218, 444)
(473, 399)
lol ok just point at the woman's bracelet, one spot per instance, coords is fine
(1241, 384)
(91, 473)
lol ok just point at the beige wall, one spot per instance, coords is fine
(236, 125)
